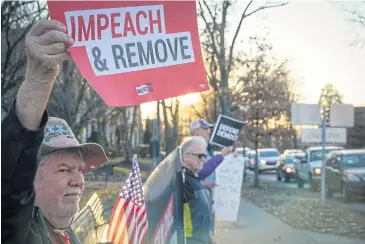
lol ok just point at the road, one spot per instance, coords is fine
(270, 176)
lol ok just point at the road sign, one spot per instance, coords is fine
(305, 114)
(342, 115)
(333, 135)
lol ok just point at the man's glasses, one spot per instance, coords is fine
(199, 155)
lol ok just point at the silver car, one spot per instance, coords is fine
(267, 159)
(310, 169)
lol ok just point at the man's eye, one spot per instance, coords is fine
(64, 170)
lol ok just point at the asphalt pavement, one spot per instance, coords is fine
(270, 176)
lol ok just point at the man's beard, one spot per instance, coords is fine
(65, 214)
(67, 210)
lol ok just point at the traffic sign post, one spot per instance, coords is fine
(323, 178)
(342, 115)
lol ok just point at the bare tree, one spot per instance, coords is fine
(74, 100)
(262, 97)
(17, 17)
(207, 109)
(170, 110)
(127, 128)
(357, 17)
(220, 52)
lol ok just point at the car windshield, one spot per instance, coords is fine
(290, 158)
(354, 160)
(269, 154)
(317, 154)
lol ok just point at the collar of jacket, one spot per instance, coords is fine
(191, 173)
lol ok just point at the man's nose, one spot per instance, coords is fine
(77, 179)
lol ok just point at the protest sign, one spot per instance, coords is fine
(227, 194)
(164, 203)
(226, 131)
(133, 52)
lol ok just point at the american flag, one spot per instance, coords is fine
(128, 224)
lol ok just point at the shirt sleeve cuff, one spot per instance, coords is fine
(23, 132)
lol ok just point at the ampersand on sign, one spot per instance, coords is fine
(99, 64)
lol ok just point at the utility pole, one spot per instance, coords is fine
(257, 137)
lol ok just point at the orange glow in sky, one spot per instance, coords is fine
(149, 109)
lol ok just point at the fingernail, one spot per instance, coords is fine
(71, 41)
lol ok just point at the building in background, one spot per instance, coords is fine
(356, 135)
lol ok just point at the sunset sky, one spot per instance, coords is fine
(315, 37)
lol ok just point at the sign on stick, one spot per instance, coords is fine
(133, 52)
(226, 131)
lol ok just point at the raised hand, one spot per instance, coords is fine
(46, 47)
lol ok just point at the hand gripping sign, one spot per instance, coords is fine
(226, 131)
(135, 52)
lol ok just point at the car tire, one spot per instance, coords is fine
(346, 194)
(313, 186)
(278, 177)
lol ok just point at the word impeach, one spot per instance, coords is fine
(120, 40)
(228, 132)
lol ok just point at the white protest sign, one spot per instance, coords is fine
(227, 194)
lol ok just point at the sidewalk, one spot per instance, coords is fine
(256, 226)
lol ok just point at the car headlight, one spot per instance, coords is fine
(317, 171)
(352, 177)
(289, 170)
(262, 161)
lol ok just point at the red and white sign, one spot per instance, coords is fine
(135, 52)
(164, 227)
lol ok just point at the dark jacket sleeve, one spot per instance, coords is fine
(210, 166)
(19, 160)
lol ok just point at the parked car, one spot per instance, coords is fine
(310, 169)
(345, 173)
(250, 159)
(242, 151)
(285, 167)
(267, 159)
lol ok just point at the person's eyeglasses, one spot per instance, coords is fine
(199, 155)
